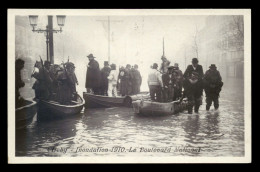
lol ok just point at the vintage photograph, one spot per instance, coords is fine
(129, 86)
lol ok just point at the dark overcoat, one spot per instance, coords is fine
(93, 75)
(190, 69)
(212, 82)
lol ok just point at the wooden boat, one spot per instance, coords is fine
(96, 101)
(144, 107)
(53, 109)
(24, 115)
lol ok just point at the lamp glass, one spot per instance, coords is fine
(33, 20)
(61, 20)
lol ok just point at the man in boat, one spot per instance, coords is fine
(125, 80)
(48, 77)
(193, 89)
(104, 81)
(120, 75)
(137, 80)
(165, 64)
(19, 65)
(155, 83)
(178, 78)
(54, 70)
(212, 85)
(129, 80)
(93, 75)
(168, 82)
(44, 82)
(72, 80)
(112, 81)
(64, 86)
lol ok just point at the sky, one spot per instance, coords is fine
(133, 40)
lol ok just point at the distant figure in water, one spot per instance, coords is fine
(93, 75)
(112, 81)
(19, 65)
(212, 86)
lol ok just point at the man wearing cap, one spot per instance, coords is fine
(168, 84)
(104, 81)
(193, 91)
(137, 80)
(178, 78)
(155, 83)
(93, 75)
(212, 85)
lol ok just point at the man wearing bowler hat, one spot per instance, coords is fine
(93, 75)
(212, 82)
(188, 74)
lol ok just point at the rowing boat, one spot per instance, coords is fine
(99, 101)
(24, 114)
(144, 107)
(53, 109)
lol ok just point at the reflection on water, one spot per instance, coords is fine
(85, 134)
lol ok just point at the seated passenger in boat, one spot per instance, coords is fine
(112, 81)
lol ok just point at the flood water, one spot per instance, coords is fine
(120, 132)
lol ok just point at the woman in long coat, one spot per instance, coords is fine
(93, 76)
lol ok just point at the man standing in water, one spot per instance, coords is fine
(194, 84)
(93, 75)
(193, 91)
(212, 85)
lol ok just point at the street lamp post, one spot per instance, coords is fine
(48, 32)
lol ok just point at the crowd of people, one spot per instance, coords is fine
(58, 82)
(109, 81)
(167, 84)
(55, 82)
